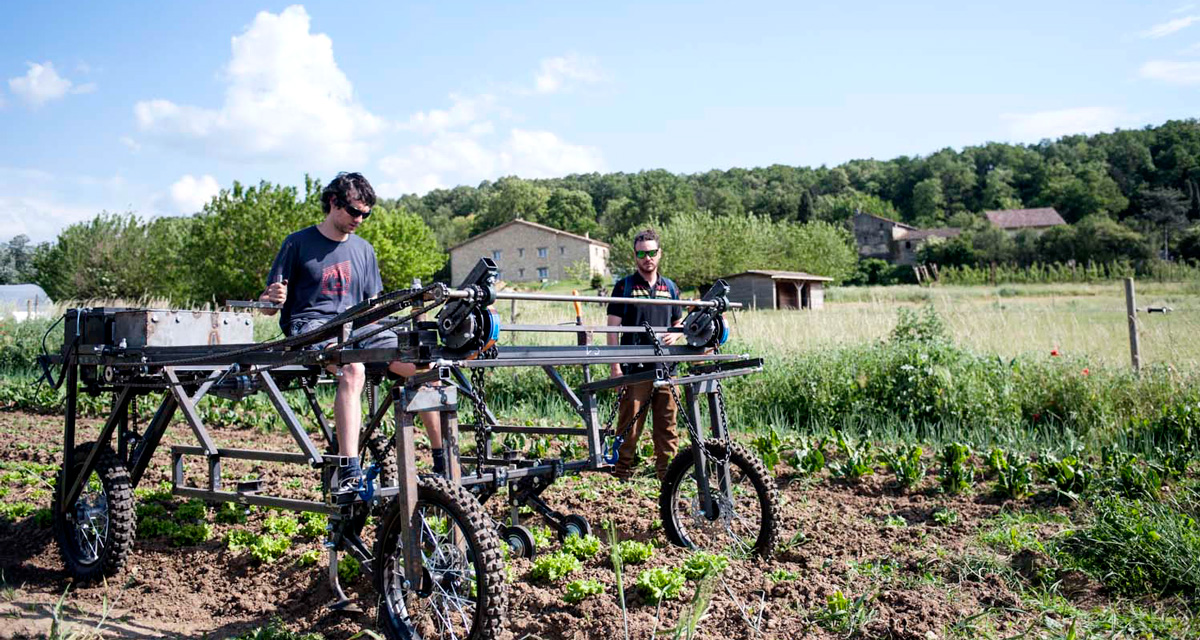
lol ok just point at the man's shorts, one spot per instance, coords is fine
(385, 339)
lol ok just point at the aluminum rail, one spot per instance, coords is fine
(554, 297)
(583, 328)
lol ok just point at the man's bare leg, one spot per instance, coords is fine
(347, 410)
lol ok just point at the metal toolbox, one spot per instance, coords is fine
(170, 328)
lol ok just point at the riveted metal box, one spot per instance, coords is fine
(171, 328)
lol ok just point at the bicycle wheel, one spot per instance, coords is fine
(747, 517)
(460, 592)
(96, 532)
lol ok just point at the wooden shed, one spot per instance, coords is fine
(761, 289)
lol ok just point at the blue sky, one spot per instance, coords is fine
(152, 107)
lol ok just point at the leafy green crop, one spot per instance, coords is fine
(944, 517)
(906, 463)
(782, 575)
(313, 525)
(267, 548)
(769, 447)
(285, 526)
(239, 539)
(957, 472)
(660, 583)
(702, 564)
(187, 535)
(1070, 475)
(554, 566)
(809, 457)
(230, 513)
(192, 511)
(582, 547)
(349, 568)
(634, 552)
(1014, 473)
(857, 459)
(308, 558)
(577, 591)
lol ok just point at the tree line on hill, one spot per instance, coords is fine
(1127, 196)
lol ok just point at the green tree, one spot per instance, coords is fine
(929, 204)
(998, 190)
(405, 247)
(232, 243)
(97, 259)
(1164, 209)
(513, 198)
(843, 206)
(572, 211)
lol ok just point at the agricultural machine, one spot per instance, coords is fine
(436, 557)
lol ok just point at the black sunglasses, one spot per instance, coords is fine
(356, 213)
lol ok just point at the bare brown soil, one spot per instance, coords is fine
(866, 539)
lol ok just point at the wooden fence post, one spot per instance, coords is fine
(1131, 311)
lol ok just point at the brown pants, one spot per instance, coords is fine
(666, 440)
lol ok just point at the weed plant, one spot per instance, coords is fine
(844, 616)
(1070, 475)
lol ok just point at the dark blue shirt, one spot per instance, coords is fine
(325, 277)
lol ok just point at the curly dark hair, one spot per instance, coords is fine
(346, 187)
(646, 236)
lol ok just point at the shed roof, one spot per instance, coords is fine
(878, 217)
(781, 275)
(1025, 218)
(530, 224)
(19, 293)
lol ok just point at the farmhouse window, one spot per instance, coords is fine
(521, 272)
(496, 255)
(562, 250)
(543, 273)
(521, 252)
(543, 252)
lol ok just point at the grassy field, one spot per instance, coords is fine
(1085, 320)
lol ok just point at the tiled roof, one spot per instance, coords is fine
(531, 224)
(1025, 218)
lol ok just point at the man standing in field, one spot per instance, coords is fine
(320, 272)
(644, 283)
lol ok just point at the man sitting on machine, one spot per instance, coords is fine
(321, 271)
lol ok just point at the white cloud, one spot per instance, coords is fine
(555, 74)
(41, 84)
(189, 194)
(1171, 71)
(461, 158)
(1192, 50)
(1171, 26)
(285, 98)
(1184, 8)
(463, 111)
(130, 143)
(1053, 124)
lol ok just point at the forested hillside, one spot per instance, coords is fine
(1128, 196)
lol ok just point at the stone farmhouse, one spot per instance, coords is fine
(529, 252)
(896, 242)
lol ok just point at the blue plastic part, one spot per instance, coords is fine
(724, 333)
(366, 486)
(613, 452)
(495, 332)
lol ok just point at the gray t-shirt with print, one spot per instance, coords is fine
(325, 277)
